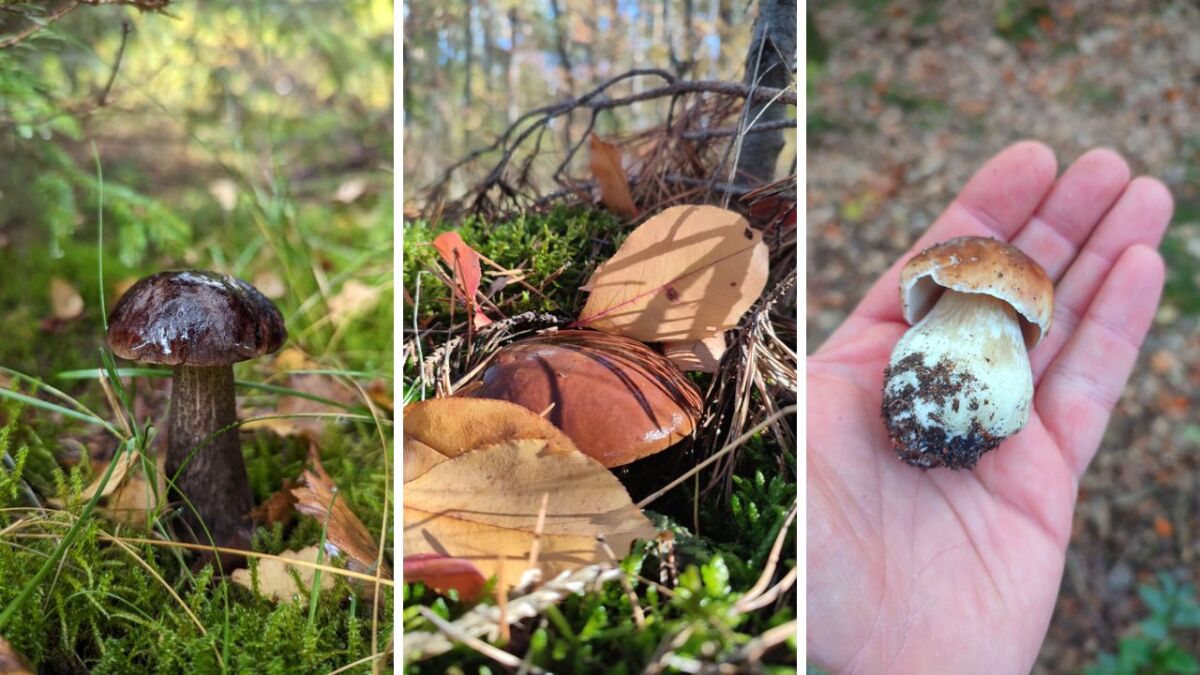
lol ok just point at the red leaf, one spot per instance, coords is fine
(442, 573)
(464, 262)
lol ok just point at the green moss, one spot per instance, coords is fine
(557, 251)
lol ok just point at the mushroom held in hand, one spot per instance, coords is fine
(201, 323)
(959, 381)
(616, 398)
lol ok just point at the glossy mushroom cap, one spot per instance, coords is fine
(984, 266)
(616, 398)
(194, 318)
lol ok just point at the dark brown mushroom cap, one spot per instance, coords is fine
(616, 398)
(194, 318)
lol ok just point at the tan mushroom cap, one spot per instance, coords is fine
(985, 266)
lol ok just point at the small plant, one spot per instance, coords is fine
(1158, 644)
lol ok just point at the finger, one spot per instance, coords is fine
(1140, 216)
(1084, 383)
(996, 202)
(1054, 235)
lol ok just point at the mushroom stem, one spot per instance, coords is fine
(204, 456)
(958, 383)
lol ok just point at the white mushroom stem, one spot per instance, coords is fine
(958, 383)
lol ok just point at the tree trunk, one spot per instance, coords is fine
(561, 44)
(770, 62)
(513, 74)
(469, 50)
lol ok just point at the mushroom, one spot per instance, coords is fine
(201, 323)
(616, 398)
(959, 381)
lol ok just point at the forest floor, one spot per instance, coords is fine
(905, 103)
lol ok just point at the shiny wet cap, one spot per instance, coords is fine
(194, 318)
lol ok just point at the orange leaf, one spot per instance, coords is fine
(442, 574)
(610, 176)
(464, 262)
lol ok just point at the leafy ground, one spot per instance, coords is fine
(597, 631)
(220, 145)
(906, 100)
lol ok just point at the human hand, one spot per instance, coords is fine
(941, 571)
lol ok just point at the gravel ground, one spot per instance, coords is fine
(909, 101)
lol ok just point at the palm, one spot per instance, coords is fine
(957, 571)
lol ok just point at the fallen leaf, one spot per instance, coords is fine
(700, 355)
(225, 192)
(292, 358)
(350, 190)
(464, 263)
(442, 574)
(275, 575)
(380, 391)
(344, 532)
(606, 167)
(1163, 527)
(279, 507)
(310, 427)
(481, 501)
(11, 661)
(270, 285)
(65, 302)
(128, 497)
(355, 298)
(685, 274)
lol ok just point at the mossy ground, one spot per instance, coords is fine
(113, 608)
(596, 632)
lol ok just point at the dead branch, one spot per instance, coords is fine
(35, 23)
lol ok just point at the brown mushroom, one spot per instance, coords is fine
(201, 323)
(616, 398)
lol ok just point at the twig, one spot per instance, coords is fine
(791, 409)
(753, 651)
(495, 653)
(126, 28)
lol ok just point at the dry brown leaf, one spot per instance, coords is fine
(325, 386)
(270, 284)
(481, 502)
(380, 392)
(225, 191)
(344, 532)
(128, 497)
(606, 167)
(275, 578)
(65, 302)
(350, 190)
(685, 274)
(355, 298)
(699, 355)
(11, 661)
(279, 507)
(292, 358)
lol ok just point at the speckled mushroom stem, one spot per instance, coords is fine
(205, 457)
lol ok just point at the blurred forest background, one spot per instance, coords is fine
(473, 67)
(232, 136)
(906, 101)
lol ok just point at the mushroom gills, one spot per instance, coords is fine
(958, 382)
